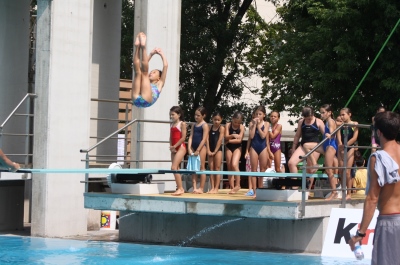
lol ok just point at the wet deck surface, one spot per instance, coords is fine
(220, 204)
(223, 194)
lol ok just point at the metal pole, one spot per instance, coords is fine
(344, 174)
(137, 144)
(303, 189)
(1, 137)
(87, 174)
(373, 62)
(27, 126)
(126, 134)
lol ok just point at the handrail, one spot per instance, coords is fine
(108, 137)
(111, 101)
(345, 167)
(27, 125)
(320, 143)
(337, 129)
(15, 109)
(119, 130)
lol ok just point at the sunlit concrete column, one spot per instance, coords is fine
(106, 48)
(160, 21)
(14, 56)
(62, 114)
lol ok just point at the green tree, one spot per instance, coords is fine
(215, 35)
(321, 49)
(127, 22)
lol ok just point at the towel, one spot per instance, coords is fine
(193, 163)
(385, 167)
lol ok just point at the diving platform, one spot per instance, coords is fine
(224, 220)
(221, 204)
(229, 221)
(221, 220)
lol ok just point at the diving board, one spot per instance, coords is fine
(90, 171)
(165, 171)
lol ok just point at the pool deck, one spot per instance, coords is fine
(220, 204)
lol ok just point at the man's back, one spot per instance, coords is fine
(390, 193)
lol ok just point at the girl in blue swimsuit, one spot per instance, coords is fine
(352, 135)
(258, 134)
(197, 145)
(329, 147)
(147, 86)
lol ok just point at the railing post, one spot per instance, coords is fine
(137, 144)
(303, 189)
(27, 131)
(345, 159)
(126, 135)
(87, 174)
(1, 137)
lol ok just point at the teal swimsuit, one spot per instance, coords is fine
(141, 103)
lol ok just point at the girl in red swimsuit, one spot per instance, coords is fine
(177, 144)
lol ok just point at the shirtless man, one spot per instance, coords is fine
(383, 190)
(5, 162)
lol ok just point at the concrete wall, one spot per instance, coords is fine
(224, 232)
(63, 71)
(14, 54)
(106, 48)
(160, 20)
(12, 210)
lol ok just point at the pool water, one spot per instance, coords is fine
(31, 250)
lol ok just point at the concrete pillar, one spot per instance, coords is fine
(106, 49)
(160, 21)
(62, 114)
(14, 54)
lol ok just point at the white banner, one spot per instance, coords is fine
(342, 224)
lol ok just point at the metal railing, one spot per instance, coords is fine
(304, 158)
(344, 188)
(88, 157)
(113, 134)
(28, 135)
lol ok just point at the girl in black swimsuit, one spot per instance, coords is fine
(233, 138)
(214, 148)
(309, 130)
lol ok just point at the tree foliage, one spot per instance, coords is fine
(320, 50)
(127, 23)
(215, 35)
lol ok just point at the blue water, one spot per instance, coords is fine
(31, 250)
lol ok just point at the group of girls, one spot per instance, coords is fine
(263, 146)
(309, 128)
(204, 140)
(264, 140)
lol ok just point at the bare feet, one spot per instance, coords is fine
(234, 190)
(198, 191)
(178, 192)
(348, 197)
(334, 195)
(212, 191)
(142, 39)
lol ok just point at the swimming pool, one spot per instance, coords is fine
(32, 250)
